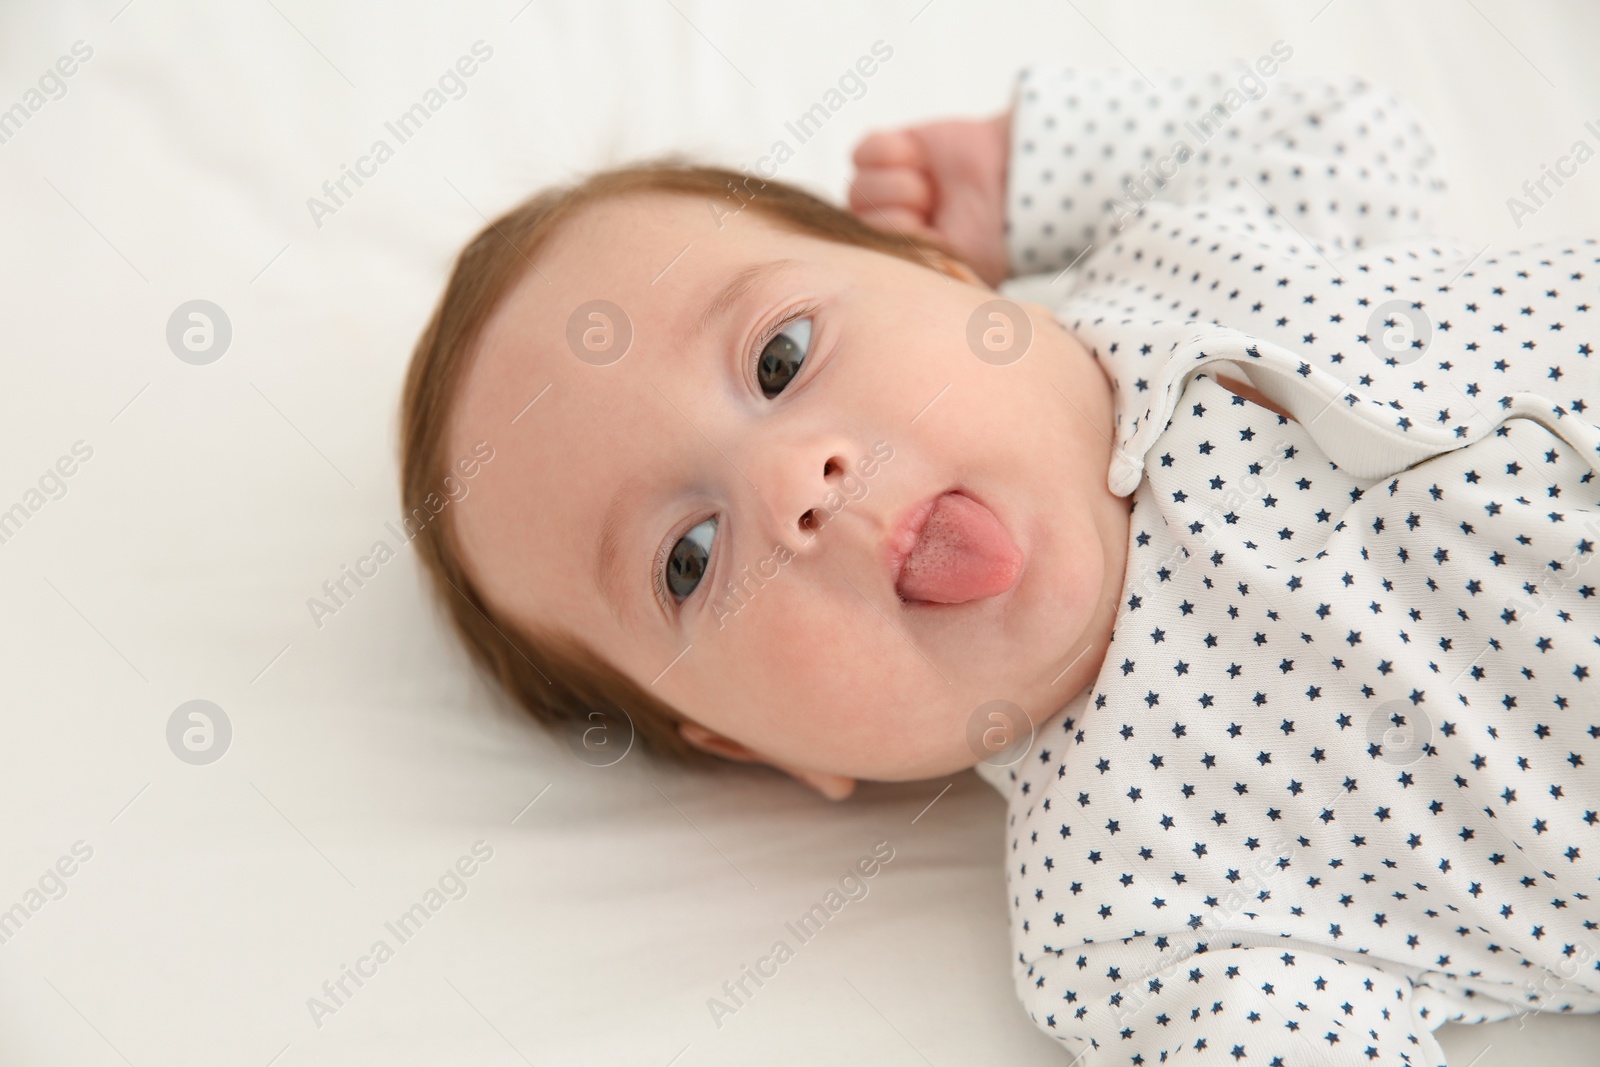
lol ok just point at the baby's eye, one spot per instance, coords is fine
(780, 359)
(686, 563)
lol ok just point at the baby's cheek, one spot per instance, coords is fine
(826, 670)
(1086, 574)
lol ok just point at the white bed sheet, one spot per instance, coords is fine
(366, 758)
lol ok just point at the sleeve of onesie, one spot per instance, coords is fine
(1346, 164)
(1201, 1002)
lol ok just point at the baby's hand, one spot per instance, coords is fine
(945, 180)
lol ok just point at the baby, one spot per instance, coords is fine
(1255, 572)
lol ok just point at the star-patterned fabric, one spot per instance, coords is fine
(1335, 784)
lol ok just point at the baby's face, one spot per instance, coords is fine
(786, 480)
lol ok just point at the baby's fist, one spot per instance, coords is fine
(945, 180)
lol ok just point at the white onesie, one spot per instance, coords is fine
(1336, 782)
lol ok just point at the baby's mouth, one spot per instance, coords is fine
(951, 549)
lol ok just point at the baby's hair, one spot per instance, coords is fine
(555, 676)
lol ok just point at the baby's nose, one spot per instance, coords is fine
(798, 488)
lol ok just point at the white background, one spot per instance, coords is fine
(366, 757)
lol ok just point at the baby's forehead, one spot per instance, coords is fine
(643, 264)
(640, 239)
(619, 278)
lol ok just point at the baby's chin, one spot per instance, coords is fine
(933, 766)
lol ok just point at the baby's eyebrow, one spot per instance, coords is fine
(610, 574)
(741, 283)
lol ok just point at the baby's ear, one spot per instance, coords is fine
(716, 744)
(832, 786)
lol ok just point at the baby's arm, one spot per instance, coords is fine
(1082, 153)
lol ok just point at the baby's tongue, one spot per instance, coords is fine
(963, 554)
